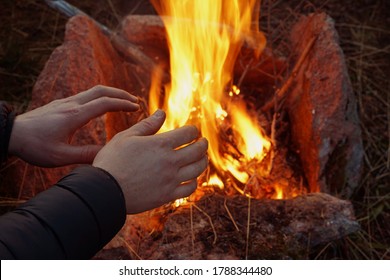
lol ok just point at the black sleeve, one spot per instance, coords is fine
(7, 117)
(73, 219)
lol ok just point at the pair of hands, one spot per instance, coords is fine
(152, 169)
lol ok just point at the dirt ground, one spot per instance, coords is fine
(30, 31)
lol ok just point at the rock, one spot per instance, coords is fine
(216, 228)
(322, 107)
(85, 59)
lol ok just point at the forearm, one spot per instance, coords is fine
(72, 220)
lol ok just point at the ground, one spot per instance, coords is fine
(30, 31)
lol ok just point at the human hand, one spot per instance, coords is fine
(154, 169)
(41, 136)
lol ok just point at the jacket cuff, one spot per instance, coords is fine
(7, 117)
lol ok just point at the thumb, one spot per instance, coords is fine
(148, 126)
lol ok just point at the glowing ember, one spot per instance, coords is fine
(204, 40)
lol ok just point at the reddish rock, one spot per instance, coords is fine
(85, 59)
(216, 228)
(322, 108)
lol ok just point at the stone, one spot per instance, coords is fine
(85, 59)
(322, 108)
(216, 228)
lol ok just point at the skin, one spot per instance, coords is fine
(42, 136)
(152, 169)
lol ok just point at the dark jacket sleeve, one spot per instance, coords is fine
(73, 219)
(7, 117)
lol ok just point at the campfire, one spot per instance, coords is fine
(204, 41)
(283, 141)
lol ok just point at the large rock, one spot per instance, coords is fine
(322, 108)
(216, 227)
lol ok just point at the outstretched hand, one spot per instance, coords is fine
(41, 136)
(154, 169)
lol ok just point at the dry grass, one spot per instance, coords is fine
(30, 31)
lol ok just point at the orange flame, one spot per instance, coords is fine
(204, 40)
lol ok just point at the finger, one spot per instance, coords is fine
(184, 190)
(103, 91)
(192, 152)
(181, 136)
(193, 170)
(103, 105)
(148, 126)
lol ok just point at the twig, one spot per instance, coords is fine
(211, 223)
(10, 164)
(357, 247)
(230, 215)
(279, 94)
(128, 246)
(247, 67)
(384, 256)
(23, 178)
(10, 202)
(323, 250)
(114, 12)
(41, 177)
(248, 229)
(273, 141)
(192, 231)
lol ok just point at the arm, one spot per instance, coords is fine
(74, 219)
(134, 172)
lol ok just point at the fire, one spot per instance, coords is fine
(204, 39)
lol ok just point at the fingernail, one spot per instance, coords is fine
(159, 114)
(134, 98)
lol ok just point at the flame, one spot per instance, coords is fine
(279, 194)
(214, 181)
(204, 39)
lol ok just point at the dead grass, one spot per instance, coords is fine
(30, 31)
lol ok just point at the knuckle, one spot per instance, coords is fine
(190, 130)
(202, 145)
(73, 111)
(99, 88)
(198, 167)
